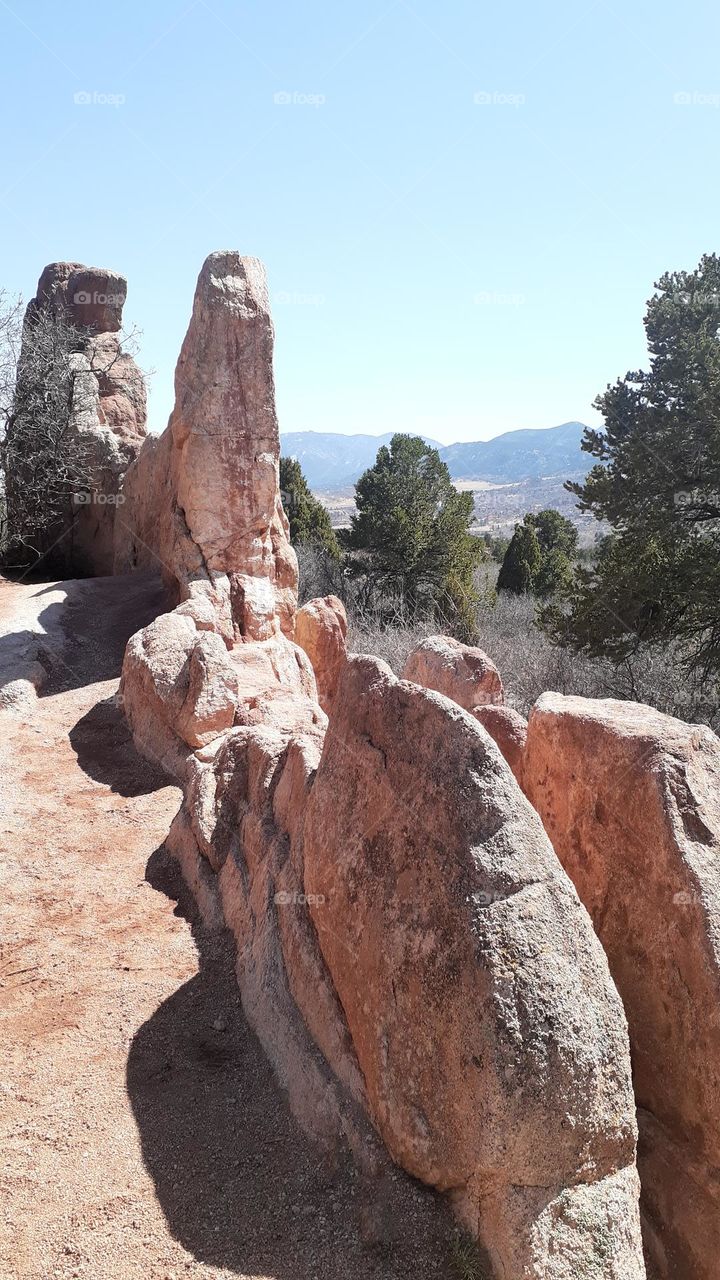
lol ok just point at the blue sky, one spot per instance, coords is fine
(462, 206)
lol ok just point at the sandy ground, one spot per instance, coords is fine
(142, 1133)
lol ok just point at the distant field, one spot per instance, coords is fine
(498, 507)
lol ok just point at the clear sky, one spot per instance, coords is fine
(462, 206)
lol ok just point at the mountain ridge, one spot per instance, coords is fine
(331, 460)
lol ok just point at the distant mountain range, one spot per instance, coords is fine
(332, 461)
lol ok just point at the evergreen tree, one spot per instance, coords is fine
(309, 521)
(657, 483)
(522, 561)
(413, 526)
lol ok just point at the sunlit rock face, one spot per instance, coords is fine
(203, 500)
(631, 801)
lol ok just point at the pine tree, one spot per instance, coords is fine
(413, 526)
(309, 521)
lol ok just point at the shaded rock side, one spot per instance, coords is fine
(631, 801)
(242, 819)
(490, 1037)
(203, 501)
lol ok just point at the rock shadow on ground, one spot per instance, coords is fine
(239, 1183)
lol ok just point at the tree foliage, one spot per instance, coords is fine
(413, 526)
(540, 555)
(309, 521)
(45, 458)
(656, 482)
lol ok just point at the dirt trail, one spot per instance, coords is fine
(141, 1131)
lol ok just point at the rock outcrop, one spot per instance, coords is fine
(321, 630)
(418, 967)
(509, 730)
(203, 500)
(106, 416)
(181, 687)
(459, 671)
(469, 677)
(489, 1035)
(631, 800)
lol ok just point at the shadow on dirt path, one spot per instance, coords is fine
(238, 1182)
(105, 751)
(72, 634)
(144, 1134)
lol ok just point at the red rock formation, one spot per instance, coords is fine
(203, 500)
(409, 950)
(509, 730)
(108, 408)
(459, 671)
(489, 1034)
(321, 630)
(631, 801)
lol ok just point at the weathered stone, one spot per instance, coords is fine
(204, 500)
(244, 806)
(154, 685)
(490, 1037)
(459, 671)
(321, 630)
(92, 297)
(509, 730)
(631, 800)
(212, 697)
(409, 950)
(107, 415)
(182, 688)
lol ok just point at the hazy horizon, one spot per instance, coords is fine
(377, 435)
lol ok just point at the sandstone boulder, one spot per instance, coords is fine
(321, 630)
(509, 730)
(92, 297)
(490, 1037)
(181, 687)
(631, 800)
(204, 500)
(459, 671)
